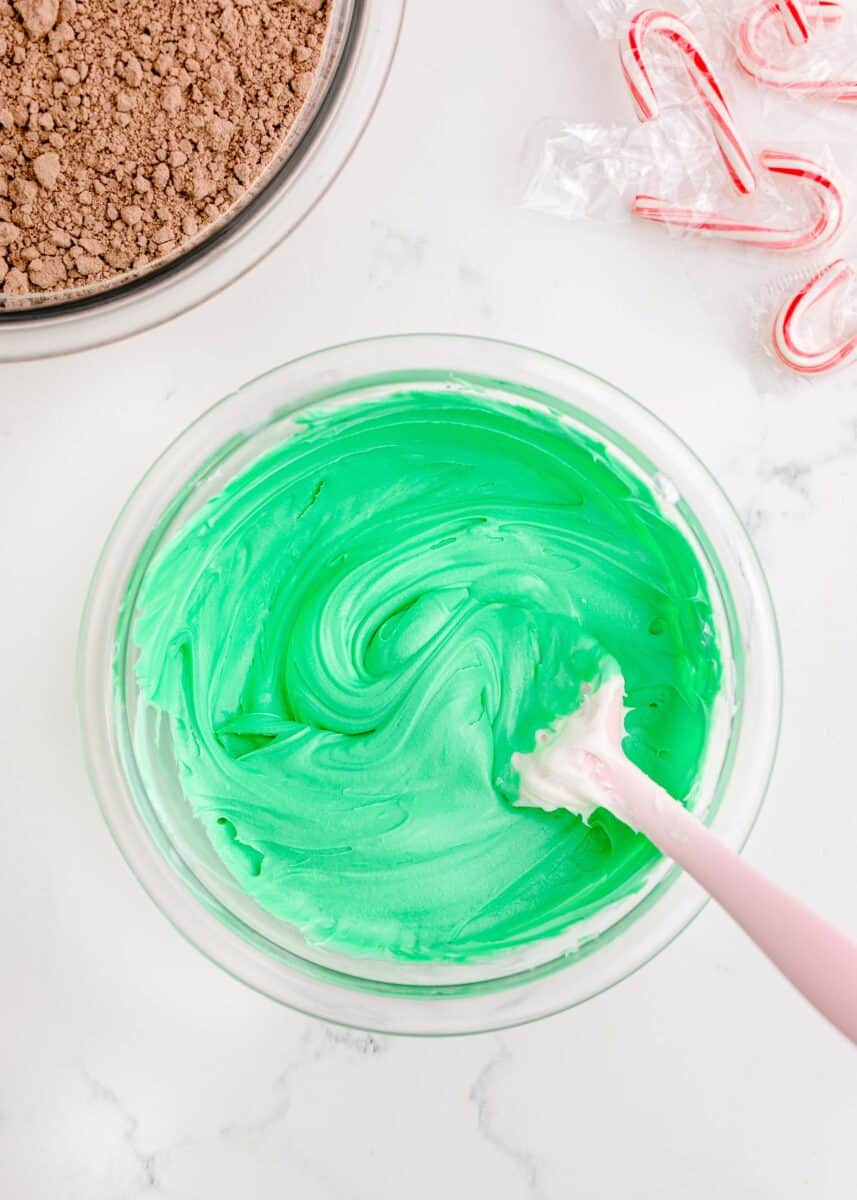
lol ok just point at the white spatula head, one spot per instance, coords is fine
(573, 765)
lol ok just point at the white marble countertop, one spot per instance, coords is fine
(129, 1066)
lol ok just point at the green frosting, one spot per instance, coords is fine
(351, 639)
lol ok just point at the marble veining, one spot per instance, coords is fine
(494, 1128)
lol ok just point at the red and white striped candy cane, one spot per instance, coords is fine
(658, 23)
(787, 325)
(825, 226)
(795, 20)
(789, 78)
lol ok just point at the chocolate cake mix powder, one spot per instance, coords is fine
(127, 126)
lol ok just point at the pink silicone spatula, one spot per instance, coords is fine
(580, 765)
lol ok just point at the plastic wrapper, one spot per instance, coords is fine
(593, 172)
(668, 173)
(683, 144)
(687, 164)
(806, 320)
(798, 50)
(614, 19)
(610, 18)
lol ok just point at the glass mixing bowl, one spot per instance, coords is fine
(167, 848)
(357, 54)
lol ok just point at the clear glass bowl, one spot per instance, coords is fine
(358, 51)
(167, 848)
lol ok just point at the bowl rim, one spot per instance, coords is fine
(107, 589)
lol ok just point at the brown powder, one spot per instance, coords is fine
(127, 126)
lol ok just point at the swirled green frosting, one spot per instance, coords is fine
(349, 642)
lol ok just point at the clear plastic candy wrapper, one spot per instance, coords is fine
(611, 18)
(593, 172)
(807, 320)
(668, 175)
(687, 164)
(796, 48)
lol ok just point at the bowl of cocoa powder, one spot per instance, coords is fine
(153, 151)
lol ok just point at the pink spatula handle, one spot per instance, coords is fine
(819, 960)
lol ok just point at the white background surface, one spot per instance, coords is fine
(131, 1067)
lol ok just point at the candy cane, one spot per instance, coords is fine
(795, 21)
(657, 23)
(789, 78)
(786, 344)
(824, 227)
